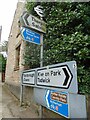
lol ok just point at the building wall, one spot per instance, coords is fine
(13, 42)
(0, 32)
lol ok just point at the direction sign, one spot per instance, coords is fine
(57, 102)
(57, 76)
(30, 35)
(62, 76)
(63, 103)
(28, 77)
(33, 22)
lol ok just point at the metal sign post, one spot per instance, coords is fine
(41, 52)
(36, 38)
(40, 13)
(41, 65)
(21, 91)
(21, 95)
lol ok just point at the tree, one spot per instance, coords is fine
(2, 63)
(3, 50)
(4, 46)
(67, 37)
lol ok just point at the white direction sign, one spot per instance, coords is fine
(59, 76)
(33, 22)
(62, 76)
(28, 77)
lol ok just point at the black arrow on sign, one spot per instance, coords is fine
(67, 76)
(24, 17)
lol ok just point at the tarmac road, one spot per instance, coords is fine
(10, 106)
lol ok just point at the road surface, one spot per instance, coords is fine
(10, 106)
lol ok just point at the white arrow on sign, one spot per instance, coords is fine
(58, 76)
(57, 102)
(47, 98)
(39, 10)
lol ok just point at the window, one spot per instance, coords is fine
(17, 61)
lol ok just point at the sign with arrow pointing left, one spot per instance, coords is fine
(57, 102)
(30, 35)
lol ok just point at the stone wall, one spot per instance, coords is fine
(13, 42)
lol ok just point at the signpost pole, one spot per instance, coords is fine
(21, 90)
(41, 65)
(21, 95)
(41, 52)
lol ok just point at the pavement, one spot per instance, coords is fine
(10, 106)
(0, 101)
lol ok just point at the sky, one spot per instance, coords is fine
(7, 10)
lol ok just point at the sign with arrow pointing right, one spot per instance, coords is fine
(58, 76)
(61, 77)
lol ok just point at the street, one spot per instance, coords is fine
(10, 106)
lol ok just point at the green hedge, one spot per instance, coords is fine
(2, 63)
(67, 38)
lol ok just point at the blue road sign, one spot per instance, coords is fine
(30, 35)
(57, 102)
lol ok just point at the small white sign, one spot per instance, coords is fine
(36, 23)
(28, 77)
(33, 22)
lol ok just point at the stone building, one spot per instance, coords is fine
(0, 41)
(15, 51)
(14, 65)
(0, 32)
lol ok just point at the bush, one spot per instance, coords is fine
(67, 38)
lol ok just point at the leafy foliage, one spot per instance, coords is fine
(4, 46)
(67, 38)
(2, 63)
(32, 56)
